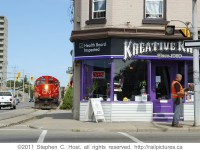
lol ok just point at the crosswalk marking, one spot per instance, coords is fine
(42, 136)
(131, 137)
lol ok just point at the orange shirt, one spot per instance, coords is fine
(174, 93)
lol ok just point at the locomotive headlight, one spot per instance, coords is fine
(46, 87)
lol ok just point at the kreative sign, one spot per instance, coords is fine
(133, 48)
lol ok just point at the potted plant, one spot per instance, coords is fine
(91, 89)
(142, 85)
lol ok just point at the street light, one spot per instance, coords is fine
(196, 66)
(195, 63)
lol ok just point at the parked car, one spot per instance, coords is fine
(17, 101)
(7, 100)
(31, 100)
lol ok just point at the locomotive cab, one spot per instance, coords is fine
(46, 92)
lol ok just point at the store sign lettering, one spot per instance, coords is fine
(92, 47)
(132, 48)
(98, 74)
(160, 55)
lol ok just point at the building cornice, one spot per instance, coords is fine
(123, 33)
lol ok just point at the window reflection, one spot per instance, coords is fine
(190, 72)
(127, 78)
(41, 81)
(154, 8)
(99, 10)
(96, 79)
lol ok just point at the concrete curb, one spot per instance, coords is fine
(168, 128)
(78, 126)
(162, 128)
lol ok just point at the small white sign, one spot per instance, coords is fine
(96, 109)
(144, 97)
(191, 43)
(138, 98)
(96, 105)
(158, 79)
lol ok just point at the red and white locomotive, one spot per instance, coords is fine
(46, 92)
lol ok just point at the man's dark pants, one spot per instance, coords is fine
(178, 110)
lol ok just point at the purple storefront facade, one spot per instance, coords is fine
(132, 72)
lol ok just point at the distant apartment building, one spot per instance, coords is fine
(122, 48)
(3, 51)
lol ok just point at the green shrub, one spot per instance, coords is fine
(67, 100)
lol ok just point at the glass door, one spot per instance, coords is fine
(162, 83)
(162, 76)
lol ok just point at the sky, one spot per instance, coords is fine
(38, 37)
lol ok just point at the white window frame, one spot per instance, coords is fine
(154, 15)
(98, 11)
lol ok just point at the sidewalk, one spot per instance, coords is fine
(62, 120)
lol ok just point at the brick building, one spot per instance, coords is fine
(121, 46)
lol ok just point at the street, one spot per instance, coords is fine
(23, 134)
(21, 109)
(19, 106)
(57, 126)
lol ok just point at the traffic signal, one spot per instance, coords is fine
(169, 30)
(32, 78)
(17, 78)
(185, 32)
(19, 74)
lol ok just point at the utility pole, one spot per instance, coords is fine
(23, 85)
(29, 88)
(196, 66)
(14, 82)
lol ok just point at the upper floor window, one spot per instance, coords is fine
(154, 9)
(97, 12)
(99, 9)
(154, 12)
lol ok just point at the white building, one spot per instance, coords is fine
(3, 50)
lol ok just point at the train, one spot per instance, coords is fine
(46, 92)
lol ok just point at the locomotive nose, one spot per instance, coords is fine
(46, 87)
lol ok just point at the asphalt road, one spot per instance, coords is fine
(24, 134)
(21, 109)
(19, 106)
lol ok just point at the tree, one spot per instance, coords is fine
(67, 101)
(18, 84)
(71, 11)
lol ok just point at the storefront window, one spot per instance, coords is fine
(129, 78)
(190, 71)
(96, 79)
(181, 70)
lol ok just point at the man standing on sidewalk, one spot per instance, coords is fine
(178, 92)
